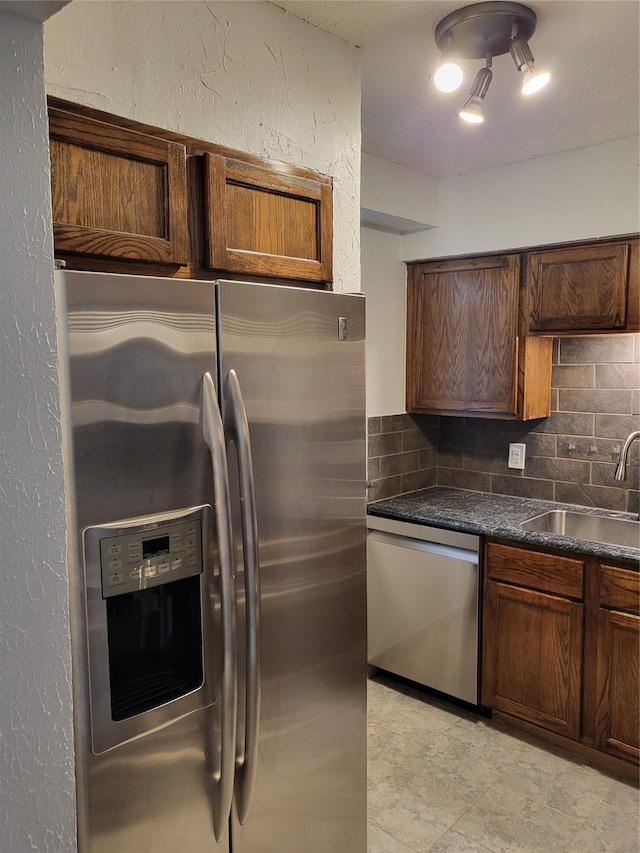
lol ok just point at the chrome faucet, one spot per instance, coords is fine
(621, 468)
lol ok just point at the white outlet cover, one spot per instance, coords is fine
(516, 456)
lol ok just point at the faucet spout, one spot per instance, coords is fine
(621, 468)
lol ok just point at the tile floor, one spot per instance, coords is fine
(448, 781)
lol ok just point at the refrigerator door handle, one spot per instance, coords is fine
(237, 428)
(213, 434)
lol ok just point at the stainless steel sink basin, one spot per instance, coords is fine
(592, 528)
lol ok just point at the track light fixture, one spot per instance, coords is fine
(481, 31)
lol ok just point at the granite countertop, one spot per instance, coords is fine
(498, 516)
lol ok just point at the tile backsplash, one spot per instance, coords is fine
(570, 456)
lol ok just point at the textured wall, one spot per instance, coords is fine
(37, 810)
(245, 75)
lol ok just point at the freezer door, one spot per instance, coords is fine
(136, 349)
(299, 360)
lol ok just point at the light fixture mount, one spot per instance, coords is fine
(484, 28)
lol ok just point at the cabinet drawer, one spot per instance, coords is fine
(619, 588)
(545, 572)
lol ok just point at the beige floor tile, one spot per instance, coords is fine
(608, 830)
(413, 810)
(453, 842)
(506, 821)
(446, 780)
(624, 795)
(379, 841)
(412, 717)
(386, 751)
(567, 786)
(463, 768)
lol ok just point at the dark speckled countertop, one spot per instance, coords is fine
(498, 516)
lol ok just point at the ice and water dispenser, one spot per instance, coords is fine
(145, 585)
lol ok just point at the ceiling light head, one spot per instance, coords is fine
(532, 80)
(449, 76)
(472, 110)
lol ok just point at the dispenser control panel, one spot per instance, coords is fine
(141, 558)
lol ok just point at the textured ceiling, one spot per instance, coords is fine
(591, 47)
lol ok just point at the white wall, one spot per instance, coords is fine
(242, 74)
(383, 281)
(37, 811)
(394, 197)
(576, 195)
(582, 194)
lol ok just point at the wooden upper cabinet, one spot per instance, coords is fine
(267, 221)
(464, 351)
(116, 193)
(588, 287)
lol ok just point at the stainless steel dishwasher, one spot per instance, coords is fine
(422, 605)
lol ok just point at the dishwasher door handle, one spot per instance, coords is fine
(449, 551)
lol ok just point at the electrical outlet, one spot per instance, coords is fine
(516, 455)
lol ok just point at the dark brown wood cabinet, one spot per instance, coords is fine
(266, 222)
(131, 198)
(533, 635)
(618, 663)
(465, 350)
(561, 649)
(116, 193)
(583, 288)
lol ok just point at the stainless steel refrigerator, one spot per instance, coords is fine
(215, 446)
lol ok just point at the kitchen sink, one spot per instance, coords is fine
(592, 528)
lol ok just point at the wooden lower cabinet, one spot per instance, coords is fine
(533, 661)
(532, 638)
(561, 649)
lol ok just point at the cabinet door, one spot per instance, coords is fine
(268, 222)
(532, 653)
(462, 336)
(116, 193)
(618, 663)
(583, 288)
(618, 720)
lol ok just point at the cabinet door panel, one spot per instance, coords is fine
(582, 288)
(116, 193)
(532, 657)
(264, 222)
(462, 336)
(618, 717)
